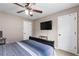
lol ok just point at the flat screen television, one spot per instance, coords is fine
(47, 25)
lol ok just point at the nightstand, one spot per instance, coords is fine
(2, 41)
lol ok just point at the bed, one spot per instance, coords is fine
(31, 47)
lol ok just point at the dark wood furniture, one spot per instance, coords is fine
(1, 34)
(2, 41)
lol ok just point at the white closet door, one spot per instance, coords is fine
(27, 31)
(67, 32)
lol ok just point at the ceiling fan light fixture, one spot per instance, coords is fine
(31, 13)
(26, 12)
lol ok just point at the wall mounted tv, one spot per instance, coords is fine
(47, 25)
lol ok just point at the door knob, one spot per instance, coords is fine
(59, 34)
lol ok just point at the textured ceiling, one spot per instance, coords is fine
(47, 8)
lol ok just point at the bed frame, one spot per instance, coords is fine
(51, 43)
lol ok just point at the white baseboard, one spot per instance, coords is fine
(77, 54)
(69, 52)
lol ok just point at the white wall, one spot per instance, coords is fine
(12, 27)
(50, 33)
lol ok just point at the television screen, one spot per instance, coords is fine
(46, 25)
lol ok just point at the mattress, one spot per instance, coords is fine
(26, 48)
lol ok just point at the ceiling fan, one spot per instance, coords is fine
(28, 9)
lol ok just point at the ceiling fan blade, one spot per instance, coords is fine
(27, 4)
(18, 5)
(20, 11)
(39, 11)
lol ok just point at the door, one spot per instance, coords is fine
(67, 32)
(27, 29)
